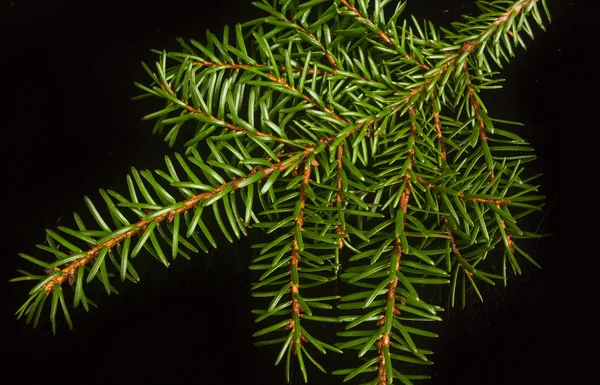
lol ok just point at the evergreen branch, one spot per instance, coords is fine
(74, 265)
(382, 166)
(297, 308)
(454, 58)
(279, 83)
(385, 315)
(385, 372)
(198, 113)
(371, 26)
(409, 154)
(303, 33)
(257, 66)
(461, 195)
(312, 270)
(290, 89)
(503, 24)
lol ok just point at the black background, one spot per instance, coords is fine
(69, 127)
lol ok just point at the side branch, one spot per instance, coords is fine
(239, 66)
(383, 343)
(90, 256)
(461, 55)
(277, 80)
(461, 195)
(381, 34)
(310, 36)
(297, 308)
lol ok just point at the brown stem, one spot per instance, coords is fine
(438, 129)
(338, 194)
(509, 239)
(239, 66)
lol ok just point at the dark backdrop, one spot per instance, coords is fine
(69, 127)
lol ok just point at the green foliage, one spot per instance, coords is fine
(358, 142)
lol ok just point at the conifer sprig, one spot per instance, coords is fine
(358, 143)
